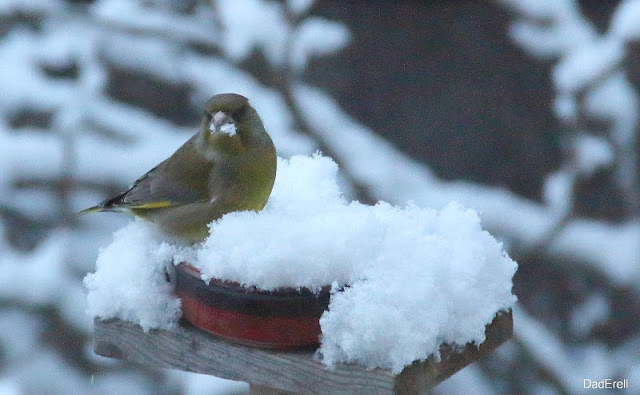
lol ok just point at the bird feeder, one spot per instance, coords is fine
(268, 339)
(287, 318)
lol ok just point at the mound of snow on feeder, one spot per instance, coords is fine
(130, 279)
(405, 279)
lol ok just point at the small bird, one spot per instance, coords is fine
(229, 165)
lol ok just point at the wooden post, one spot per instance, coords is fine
(278, 372)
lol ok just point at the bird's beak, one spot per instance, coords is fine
(221, 123)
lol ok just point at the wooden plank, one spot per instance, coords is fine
(190, 349)
(257, 389)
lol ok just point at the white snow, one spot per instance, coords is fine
(592, 153)
(546, 349)
(316, 37)
(595, 360)
(259, 24)
(219, 122)
(541, 10)
(252, 24)
(36, 278)
(228, 128)
(436, 275)
(633, 374)
(583, 65)
(116, 142)
(625, 21)
(19, 331)
(8, 7)
(471, 378)
(612, 250)
(615, 99)
(9, 387)
(564, 106)
(593, 311)
(130, 283)
(549, 28)
(299, 7)
(197, 384)
(134, 15)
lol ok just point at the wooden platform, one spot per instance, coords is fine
(190, 349)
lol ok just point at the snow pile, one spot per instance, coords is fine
(130, 282)
(415, 278)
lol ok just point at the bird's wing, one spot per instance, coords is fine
(158, 188)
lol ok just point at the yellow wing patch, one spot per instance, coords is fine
(150, 205)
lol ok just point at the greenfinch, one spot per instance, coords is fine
(229, 165)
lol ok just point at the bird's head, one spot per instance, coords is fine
(231, 124)
(223, 113)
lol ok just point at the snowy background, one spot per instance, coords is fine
(94, 93)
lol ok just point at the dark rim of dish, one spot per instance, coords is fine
(232, 296)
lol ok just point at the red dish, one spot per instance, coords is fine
(287, 318)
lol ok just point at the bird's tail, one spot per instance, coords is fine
(93, 209)
(104, 206)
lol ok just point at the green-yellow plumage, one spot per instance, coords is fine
(229, 165)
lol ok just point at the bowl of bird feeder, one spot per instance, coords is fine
(285, 318)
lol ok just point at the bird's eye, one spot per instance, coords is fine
(239, 113)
